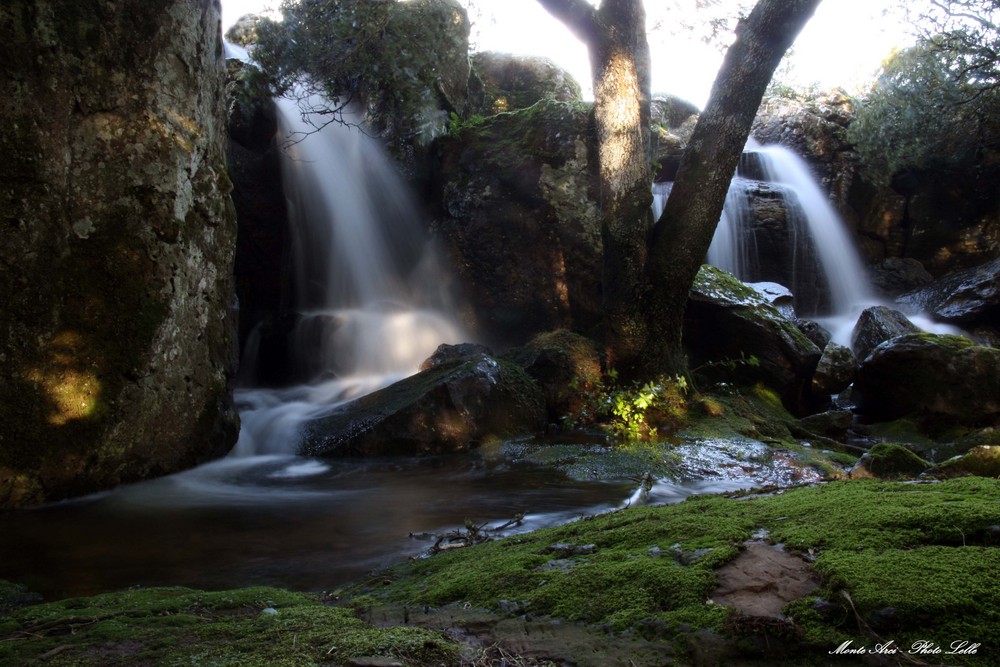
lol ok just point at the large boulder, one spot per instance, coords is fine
(454, 405)
(116, 251)
(512, 82)
(875, 326)
(518, 221)
(727, 320)
(939, 379)
(970, 298)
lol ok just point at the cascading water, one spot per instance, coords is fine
(367, 287)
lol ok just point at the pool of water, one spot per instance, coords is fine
(310, 524)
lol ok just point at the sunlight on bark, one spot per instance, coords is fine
(619, 93)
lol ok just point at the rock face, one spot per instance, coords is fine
(116, 251)
(944, 380)
(517, 220)
(452, 406)
(727, 320)
(512, 82)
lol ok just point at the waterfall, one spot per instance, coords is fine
(368, 290)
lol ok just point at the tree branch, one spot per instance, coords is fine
(579, 16)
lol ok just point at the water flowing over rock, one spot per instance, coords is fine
(877, 325)
(943, 380)
(970, 297)
(727, 320)
(116, 253)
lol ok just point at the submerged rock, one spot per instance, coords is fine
(454, 406)
(940, 379)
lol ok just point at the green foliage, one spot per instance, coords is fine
(381, 56)
(935, 105)
(640, 411)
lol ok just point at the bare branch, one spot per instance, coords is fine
(579, 16)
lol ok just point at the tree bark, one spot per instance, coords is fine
(615, 35)
(683, 233)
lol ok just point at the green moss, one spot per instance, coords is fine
(888, 460)
(254, 626)
(654, 567)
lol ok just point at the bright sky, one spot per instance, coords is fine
(843, 44)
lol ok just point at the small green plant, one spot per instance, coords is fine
(641, 411)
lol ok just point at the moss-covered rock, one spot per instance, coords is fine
(732, 332)
(889, 461)
(941, 381)
(453, 406)
(567, 367)
(982, 461)
(116, 252)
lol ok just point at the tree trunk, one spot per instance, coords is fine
(683, 233)
(615, 35)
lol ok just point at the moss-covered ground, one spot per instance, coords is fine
(898, 561)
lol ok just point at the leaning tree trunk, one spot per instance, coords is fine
(615, 35)
(683, 233)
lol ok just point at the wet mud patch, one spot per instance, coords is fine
(762, 580)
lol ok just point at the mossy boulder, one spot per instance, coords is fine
(940, 380)
(983, 461)
(888, 461)
(512, 82)
(731, 331)
(453, 406)
(517, 216)
(567, 367)
(116, 251)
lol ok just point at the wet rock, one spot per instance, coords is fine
(888, 461)
(877, 325)
(516, 82)
(727, 320)
(451, 407)
(969, 298)
(446, 354)
(673, 120)
(835, 370)
(895, 275)
(815, 332)
(941, 380)
(567, 367)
